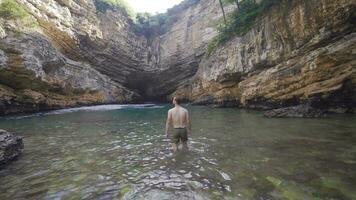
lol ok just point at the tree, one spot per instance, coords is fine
(222, 9)
(234, 1)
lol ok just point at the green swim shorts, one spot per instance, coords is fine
(179, 134)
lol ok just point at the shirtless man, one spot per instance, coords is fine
(179, 117)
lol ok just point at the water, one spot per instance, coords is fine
(119, 152)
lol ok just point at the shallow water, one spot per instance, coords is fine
(119, 152)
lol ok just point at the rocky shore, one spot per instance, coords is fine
(11, 147)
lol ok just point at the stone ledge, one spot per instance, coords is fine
(300, 111)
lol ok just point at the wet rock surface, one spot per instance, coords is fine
(304, 111)
(11, 147)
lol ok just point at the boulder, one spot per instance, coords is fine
(11, 147)
(301, 111)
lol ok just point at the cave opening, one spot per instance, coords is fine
(145, 84)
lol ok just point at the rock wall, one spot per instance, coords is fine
(300, 52)
(176, 54)
(67, 53)
(76, 54)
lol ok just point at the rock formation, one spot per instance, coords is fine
(11, 147)
(300, 111)
(63, 53)
(67, 50)
(299, 52)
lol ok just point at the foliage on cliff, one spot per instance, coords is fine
(103, 5)
(151, 25)
(10, 9)
(182, 6)
(160, 23)
(240, 21)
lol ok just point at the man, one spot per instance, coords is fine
(179, 118)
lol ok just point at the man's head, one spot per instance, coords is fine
(175, 101)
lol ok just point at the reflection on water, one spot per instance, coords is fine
(120, 153)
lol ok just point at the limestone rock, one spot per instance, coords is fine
(174, 56)
(49, 60)
(3, 59)
(11, 147)
(2, 32)
(75, 43)
(303, 111)
(303, 54)
(299, 52)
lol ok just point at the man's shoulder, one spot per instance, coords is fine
(184, 109)
(174, 109)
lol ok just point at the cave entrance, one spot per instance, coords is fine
(144, 85)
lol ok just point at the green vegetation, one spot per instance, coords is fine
(124, 190)
(275, 181)
(145, 23)
(103, 5)
(10, 9)
(152, 25)
(240, 21)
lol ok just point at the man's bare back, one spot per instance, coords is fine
(179, 118)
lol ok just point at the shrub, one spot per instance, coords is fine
(10, 9)
(160, 23)
(151, 25)
(240, 21)
(103, 5)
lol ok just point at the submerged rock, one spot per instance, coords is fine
(11, 147)
(288, 189)
(295, 111)
(159, 194)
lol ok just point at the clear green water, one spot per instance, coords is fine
(234, 154)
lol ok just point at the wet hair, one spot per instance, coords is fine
(176, 99)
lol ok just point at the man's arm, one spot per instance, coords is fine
(189, 124)
(168, 121)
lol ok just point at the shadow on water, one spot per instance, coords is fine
(119, 152)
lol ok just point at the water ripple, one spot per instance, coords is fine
(124, 155)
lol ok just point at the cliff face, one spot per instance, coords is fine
(300, 52)
(174, 56)
(65, 53)
(60, 53)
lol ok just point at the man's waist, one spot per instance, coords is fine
(179, 127)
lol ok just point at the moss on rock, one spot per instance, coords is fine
(10, 9)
